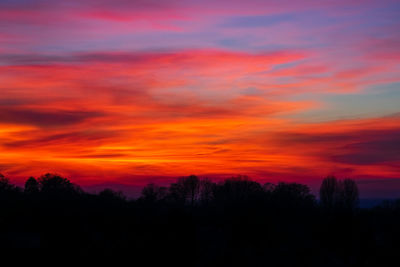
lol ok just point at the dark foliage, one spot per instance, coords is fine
(197, 222)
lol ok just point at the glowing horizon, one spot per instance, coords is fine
(109, 91)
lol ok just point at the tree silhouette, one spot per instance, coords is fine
(5, 184)
(207, 188)
(233, 222)
(55, 185)
(292, 195)
(31, 186)
(328, 192)
(349, 194)
(186, 189)
(152, 193)
(238, 189)
(338, 194)
(268, 187)
(6, 187)
(192, 185)
(293, 190)
(9, 195)
(112, 195)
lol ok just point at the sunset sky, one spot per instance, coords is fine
(129, 92)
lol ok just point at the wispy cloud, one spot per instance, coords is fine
(119, 89)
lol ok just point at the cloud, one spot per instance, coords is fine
(181, 110)
(41, 118)
(381, 147)
(73, 139)
(366, 146)
(118, 90)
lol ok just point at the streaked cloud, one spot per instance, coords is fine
(115, 91)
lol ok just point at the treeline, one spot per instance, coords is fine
(190, 191)
(203, 223)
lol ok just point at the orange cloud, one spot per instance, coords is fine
(106, 116)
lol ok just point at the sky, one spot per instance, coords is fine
(122, 93)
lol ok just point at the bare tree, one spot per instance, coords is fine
(339, 194)
(206, 190)
(186, 189)
(153, 193)
(328, 192)
(192, 185)
(349, 194)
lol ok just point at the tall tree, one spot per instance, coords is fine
(328, 192)
(185, 190)
(349, 194)
(206, 190)
(192, 185)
